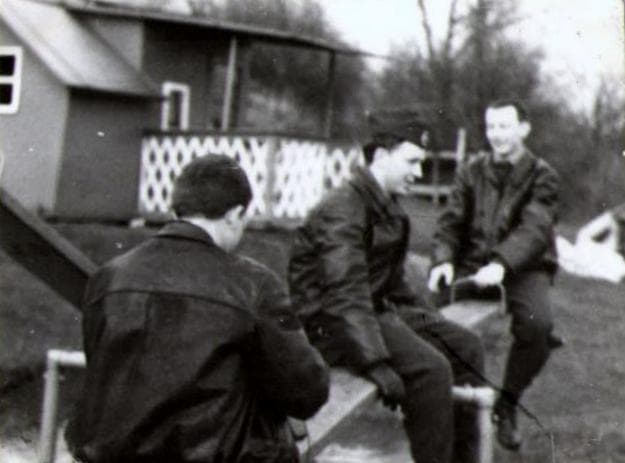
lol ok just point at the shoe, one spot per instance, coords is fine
(508, 436)
(555, 341)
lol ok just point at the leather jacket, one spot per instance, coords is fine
(193, 354)
(510, 221)
(346, 268)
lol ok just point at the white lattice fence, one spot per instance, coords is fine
(288, 176)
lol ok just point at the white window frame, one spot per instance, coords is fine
(185, 91)
(15, 80)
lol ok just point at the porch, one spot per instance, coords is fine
(288, 173)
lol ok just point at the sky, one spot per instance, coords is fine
(581, 39)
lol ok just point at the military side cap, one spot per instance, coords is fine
(406, 124)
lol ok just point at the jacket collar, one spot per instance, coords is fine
(520, 169)
(367, 185)
(185, 230)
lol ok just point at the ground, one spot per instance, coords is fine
(579, 398)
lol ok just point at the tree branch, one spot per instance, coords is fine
(428, 31)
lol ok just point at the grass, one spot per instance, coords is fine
(579, 396)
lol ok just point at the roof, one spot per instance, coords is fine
(75, 55)
(255, 32)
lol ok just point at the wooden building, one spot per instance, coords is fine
(82, 83)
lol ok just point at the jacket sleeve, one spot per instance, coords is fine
(341, 231)
(401, 292)
(289, 372)
(531, 237)
(453, 222)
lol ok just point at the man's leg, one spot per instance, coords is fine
(427, 379)
(465, 353)
(531, 326)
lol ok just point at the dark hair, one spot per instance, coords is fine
(211, 186)
(380, 140)
(520, 108)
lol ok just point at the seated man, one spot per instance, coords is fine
(194, 353)
(499, 227)
(346, 279)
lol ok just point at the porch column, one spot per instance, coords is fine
(226, 112)
(329, 108)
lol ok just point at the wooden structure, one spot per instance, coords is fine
(83, 81)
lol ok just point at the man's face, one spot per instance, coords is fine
(504, 130)
(402, 167)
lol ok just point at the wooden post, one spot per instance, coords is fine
(226, 112)
(329, 108)
(43, 251)
(461, 147)
(436, 177)
(269, 193)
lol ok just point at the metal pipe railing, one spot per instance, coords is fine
(482, 397)
(55, 360)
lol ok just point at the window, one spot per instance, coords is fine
(10, 79)
(175, 110)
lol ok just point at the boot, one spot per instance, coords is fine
(504, 415)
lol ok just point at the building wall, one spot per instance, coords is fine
(32, 139)
(100, 171)
(186, 55)
(123, 34)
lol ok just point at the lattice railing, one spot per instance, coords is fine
(288, 175)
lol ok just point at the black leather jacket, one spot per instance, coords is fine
(193, 354)
(346, 268)
(513, 223)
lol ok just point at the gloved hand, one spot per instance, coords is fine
(444, 271)
(389, 383)
(489, 275)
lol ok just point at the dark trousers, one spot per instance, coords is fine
(531, 325)
(430, 354)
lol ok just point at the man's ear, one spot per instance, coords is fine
(234, 214)
(379, 153)
(526, 128)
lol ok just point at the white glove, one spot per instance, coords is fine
(444, 271)
(489, 275)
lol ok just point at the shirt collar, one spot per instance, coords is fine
(513, 159)
(366, 183)
(522, 164)
(182, 229)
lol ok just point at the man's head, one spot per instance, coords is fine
(214, 188)
(397, 147)
(507, 125)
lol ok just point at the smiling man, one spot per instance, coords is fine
(499, 228)
(346, 278)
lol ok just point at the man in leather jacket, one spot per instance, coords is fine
(347, 280)
(499, 228)
(194, 353)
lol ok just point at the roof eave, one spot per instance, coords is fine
(259, 33)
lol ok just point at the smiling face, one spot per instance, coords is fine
(400, 167)
(505, 131)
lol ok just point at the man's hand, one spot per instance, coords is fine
(489, 275)
(389, 383)
(444, 271)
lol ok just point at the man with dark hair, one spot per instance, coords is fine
(499, 228)
(347, 281)
(194, 353)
